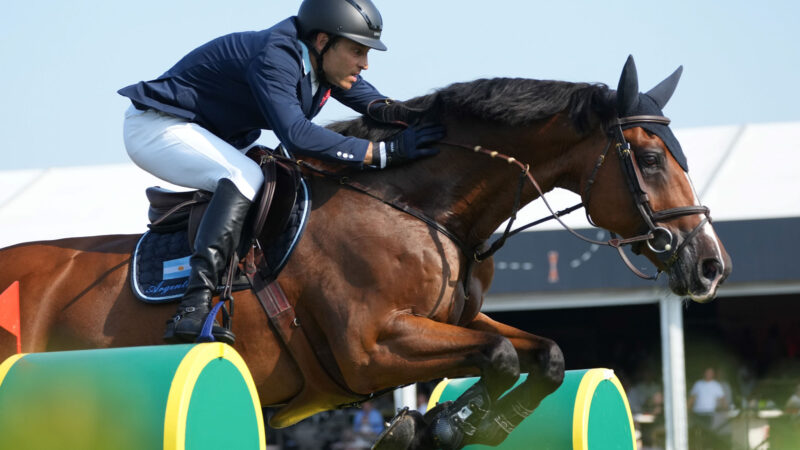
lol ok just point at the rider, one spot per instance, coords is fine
(193, 125)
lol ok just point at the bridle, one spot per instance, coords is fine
(658, 239)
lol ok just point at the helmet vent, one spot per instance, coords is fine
(365, 15)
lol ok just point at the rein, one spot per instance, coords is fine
(526, 174)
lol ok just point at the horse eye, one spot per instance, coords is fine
(650, 159)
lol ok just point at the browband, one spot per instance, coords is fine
(640, 119)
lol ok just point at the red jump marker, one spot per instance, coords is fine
(9, 312)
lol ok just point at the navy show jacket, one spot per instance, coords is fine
(240, 83)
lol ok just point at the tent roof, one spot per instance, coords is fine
(73, 201)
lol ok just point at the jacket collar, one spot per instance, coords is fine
(308, 69)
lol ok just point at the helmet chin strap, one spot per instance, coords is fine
(318, 56)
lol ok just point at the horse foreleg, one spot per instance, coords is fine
(412, 348)
(541, 358)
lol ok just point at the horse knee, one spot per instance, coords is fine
(502, 369)
(552, 365)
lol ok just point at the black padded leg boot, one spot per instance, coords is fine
(217, 238)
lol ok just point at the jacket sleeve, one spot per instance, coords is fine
(357, 97)
(274, 77)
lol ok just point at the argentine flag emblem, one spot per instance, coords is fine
(176, 268)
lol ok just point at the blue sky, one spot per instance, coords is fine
(62, 62)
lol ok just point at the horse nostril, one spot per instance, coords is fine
(711, 268)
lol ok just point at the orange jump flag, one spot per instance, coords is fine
(9, 312)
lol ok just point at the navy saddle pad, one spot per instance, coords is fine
(160, 264)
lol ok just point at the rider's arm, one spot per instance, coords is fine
(357, 98)
(274, 77)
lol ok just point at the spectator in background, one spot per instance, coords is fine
(655, 405)
(706, 398)
(707, 395)
(653, 433)
(422, 401)
(643, 390)
(367, 425)
(793, 404)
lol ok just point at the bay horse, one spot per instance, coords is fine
(394, 299)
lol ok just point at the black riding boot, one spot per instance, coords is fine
(217, 238)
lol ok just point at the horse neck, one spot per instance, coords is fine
(470, 193)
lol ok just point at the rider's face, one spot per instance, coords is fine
(343, 61)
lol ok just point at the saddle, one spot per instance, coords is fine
(160, 267)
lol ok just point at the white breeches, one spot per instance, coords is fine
(186, 154)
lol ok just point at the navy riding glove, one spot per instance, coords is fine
(410, 144)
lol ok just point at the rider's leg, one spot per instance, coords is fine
(186, 154)
(217, 239)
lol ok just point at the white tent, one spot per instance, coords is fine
(73, 201)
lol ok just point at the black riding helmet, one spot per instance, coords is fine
(357, 20)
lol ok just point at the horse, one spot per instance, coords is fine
(392, 299)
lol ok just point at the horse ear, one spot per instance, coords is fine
(628, 88)
(663, 91)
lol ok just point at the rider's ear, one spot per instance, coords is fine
(628, 88)
(321, 40)
(663, 91)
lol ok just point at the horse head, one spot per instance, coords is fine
(649, 192)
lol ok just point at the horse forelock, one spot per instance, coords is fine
(509, 101)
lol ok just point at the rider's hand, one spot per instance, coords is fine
(410, 144)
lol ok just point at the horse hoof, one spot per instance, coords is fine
(446, 435)
(401, 434)
(489, 433)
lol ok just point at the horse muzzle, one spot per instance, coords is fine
(700, 268)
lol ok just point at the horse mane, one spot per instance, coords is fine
(509, 101)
